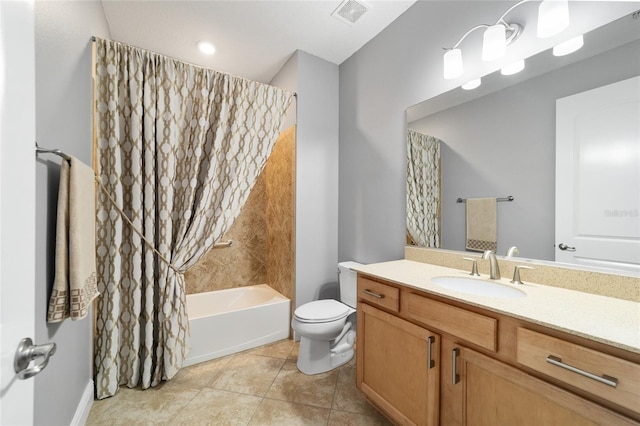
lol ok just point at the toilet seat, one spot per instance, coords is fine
(321, 311)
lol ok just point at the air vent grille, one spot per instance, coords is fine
(350, 11)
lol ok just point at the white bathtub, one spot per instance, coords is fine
(228, 321)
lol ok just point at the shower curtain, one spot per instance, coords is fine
(178, 149)
(423, 189)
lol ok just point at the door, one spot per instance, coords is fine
(398, 366)
(598, 177)
(17, 203)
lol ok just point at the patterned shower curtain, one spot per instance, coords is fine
(179, 148)
(423, 189)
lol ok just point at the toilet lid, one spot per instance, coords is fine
(322, 311)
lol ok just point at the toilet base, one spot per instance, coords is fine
(320, 356)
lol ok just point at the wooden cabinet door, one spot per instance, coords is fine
(398, 366)
(489, 392)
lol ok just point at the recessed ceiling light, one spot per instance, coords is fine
(206, 48)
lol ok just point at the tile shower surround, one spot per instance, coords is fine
(263, 234)
(257, 387)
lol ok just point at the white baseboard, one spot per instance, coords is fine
(84, 406)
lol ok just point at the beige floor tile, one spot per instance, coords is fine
(343, 418)
(293, 386)
(142, 407)
(293, 356)
(249, 374)
(282, 413)
(216, 407)
(348, 397)
(230, 391)
(202, 374)
(280, 349)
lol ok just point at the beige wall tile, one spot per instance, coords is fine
(263, 234)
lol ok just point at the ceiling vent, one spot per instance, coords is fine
(350, 11)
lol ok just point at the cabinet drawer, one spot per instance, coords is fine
(470, 326)
(378, 294)
(606, 376)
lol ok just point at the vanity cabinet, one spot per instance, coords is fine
(489, 368)
(484, 391)
(398, 365)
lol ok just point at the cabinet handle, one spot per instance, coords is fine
(455, 377)
(607, 380)
(430, 360)
(371, 293)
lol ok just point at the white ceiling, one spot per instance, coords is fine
(253, 39)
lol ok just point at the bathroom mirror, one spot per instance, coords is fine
(499, 139)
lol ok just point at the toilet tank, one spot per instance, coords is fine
(348, 282)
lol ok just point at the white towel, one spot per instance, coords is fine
(75, 278)
(482, 224)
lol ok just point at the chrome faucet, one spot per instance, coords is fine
(494, 268)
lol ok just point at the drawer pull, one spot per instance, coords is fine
(371, 293)
(607, 380)
(455, 377)
(430, 361)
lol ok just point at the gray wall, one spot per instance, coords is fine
(63, 120)
(316, 82)
(398, 68)
(504, 144)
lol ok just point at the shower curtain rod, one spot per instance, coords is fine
(93, 40)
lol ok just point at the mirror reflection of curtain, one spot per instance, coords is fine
(179, 148)
(423, 189)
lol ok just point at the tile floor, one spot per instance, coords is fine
(261, 386)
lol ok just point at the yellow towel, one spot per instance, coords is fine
(482, 224)
(75, 279)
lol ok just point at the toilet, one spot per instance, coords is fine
(326, 334)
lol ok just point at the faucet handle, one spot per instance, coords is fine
(474, 267)
(513, 250)
(516, 274)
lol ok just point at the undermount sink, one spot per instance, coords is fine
(478, 287)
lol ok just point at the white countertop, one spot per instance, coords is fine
(615, 322)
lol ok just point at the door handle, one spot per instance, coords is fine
(564, 247)
(28, 352)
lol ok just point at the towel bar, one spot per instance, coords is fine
(52, 151)
(509, 198)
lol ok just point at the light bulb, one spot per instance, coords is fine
(568, 46)
(494, 43)
(513, 68)
(470, 85)
(453, 64)
(553, 17)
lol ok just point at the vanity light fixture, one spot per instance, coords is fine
(206, 48)
(553, 17)
(472, 84)
(568, 46)
(494, 42)
(453, 64)
(513, 68)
